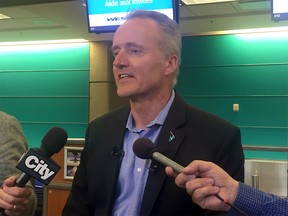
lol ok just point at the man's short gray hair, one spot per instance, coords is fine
(171, 43)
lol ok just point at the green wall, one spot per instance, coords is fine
(221, 70)
(46, 86)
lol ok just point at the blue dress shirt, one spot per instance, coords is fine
(134, 171)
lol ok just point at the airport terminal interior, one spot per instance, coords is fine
(54, 71)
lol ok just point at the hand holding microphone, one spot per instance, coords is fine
(145, 149)
(34, 163)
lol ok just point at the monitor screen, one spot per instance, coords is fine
(108, 15)
(279, 10)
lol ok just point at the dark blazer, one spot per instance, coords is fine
(198, 135)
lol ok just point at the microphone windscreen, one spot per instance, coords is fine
(143, 147)
(54, 140)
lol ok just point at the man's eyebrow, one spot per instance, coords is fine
(127, 45)
(132, 44)
(113, 48)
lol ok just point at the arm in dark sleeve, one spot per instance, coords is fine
(256, 202)
(78, 202)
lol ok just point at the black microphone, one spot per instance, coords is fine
(36, 162)
(144, 148)
(116, 152)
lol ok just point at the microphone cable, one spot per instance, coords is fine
(231, 205)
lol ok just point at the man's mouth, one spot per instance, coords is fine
(123, 76)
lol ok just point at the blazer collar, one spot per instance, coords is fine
(168, 142)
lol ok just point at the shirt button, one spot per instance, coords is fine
(139, 169)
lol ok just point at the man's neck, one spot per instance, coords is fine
(145, 111)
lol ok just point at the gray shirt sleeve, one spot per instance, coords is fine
(13, 145)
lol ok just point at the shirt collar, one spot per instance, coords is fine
(160, 118)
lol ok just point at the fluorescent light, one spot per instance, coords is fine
(276, 30)
(264, 35)
(42, 42)
(3, 16)
(191, 2)
(255, 30)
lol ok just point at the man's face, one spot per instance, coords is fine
(139, 66)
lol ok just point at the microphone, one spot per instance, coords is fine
(144, 148)
(36, 162)
(116, 152)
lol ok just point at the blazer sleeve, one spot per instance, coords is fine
(231, 156)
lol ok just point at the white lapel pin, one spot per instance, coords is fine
(171, 137)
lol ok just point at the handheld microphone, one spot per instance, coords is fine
(144, 148)
(36, 162)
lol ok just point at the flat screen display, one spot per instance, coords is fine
(279, 10)
(108, 15)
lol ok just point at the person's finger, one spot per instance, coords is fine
(198, 183)
(182, 179)
(170, 172)
(10, 181)
(205, 197)
(14, 210)
(17, 192)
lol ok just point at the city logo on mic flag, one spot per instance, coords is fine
(38, 166)
(171, 137)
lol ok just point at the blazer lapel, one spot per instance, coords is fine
(115, 143)
(168, 142)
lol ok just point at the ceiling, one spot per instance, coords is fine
(66, 19)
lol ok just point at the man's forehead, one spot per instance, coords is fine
(135, 32)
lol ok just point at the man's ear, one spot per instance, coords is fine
(171, 64)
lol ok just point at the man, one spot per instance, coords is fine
(203, 180)
(111, 180)
(13, 200)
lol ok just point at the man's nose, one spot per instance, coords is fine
(120, 59)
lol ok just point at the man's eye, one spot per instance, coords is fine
(135, 51)
(115, 54)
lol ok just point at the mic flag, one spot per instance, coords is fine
(37, 162)
(38, 166)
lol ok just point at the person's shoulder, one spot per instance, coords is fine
(201, 116)
(194, 114)
(208, 117)
(5, 116)
(8, 120)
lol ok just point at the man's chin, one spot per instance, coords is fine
(123, 94)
